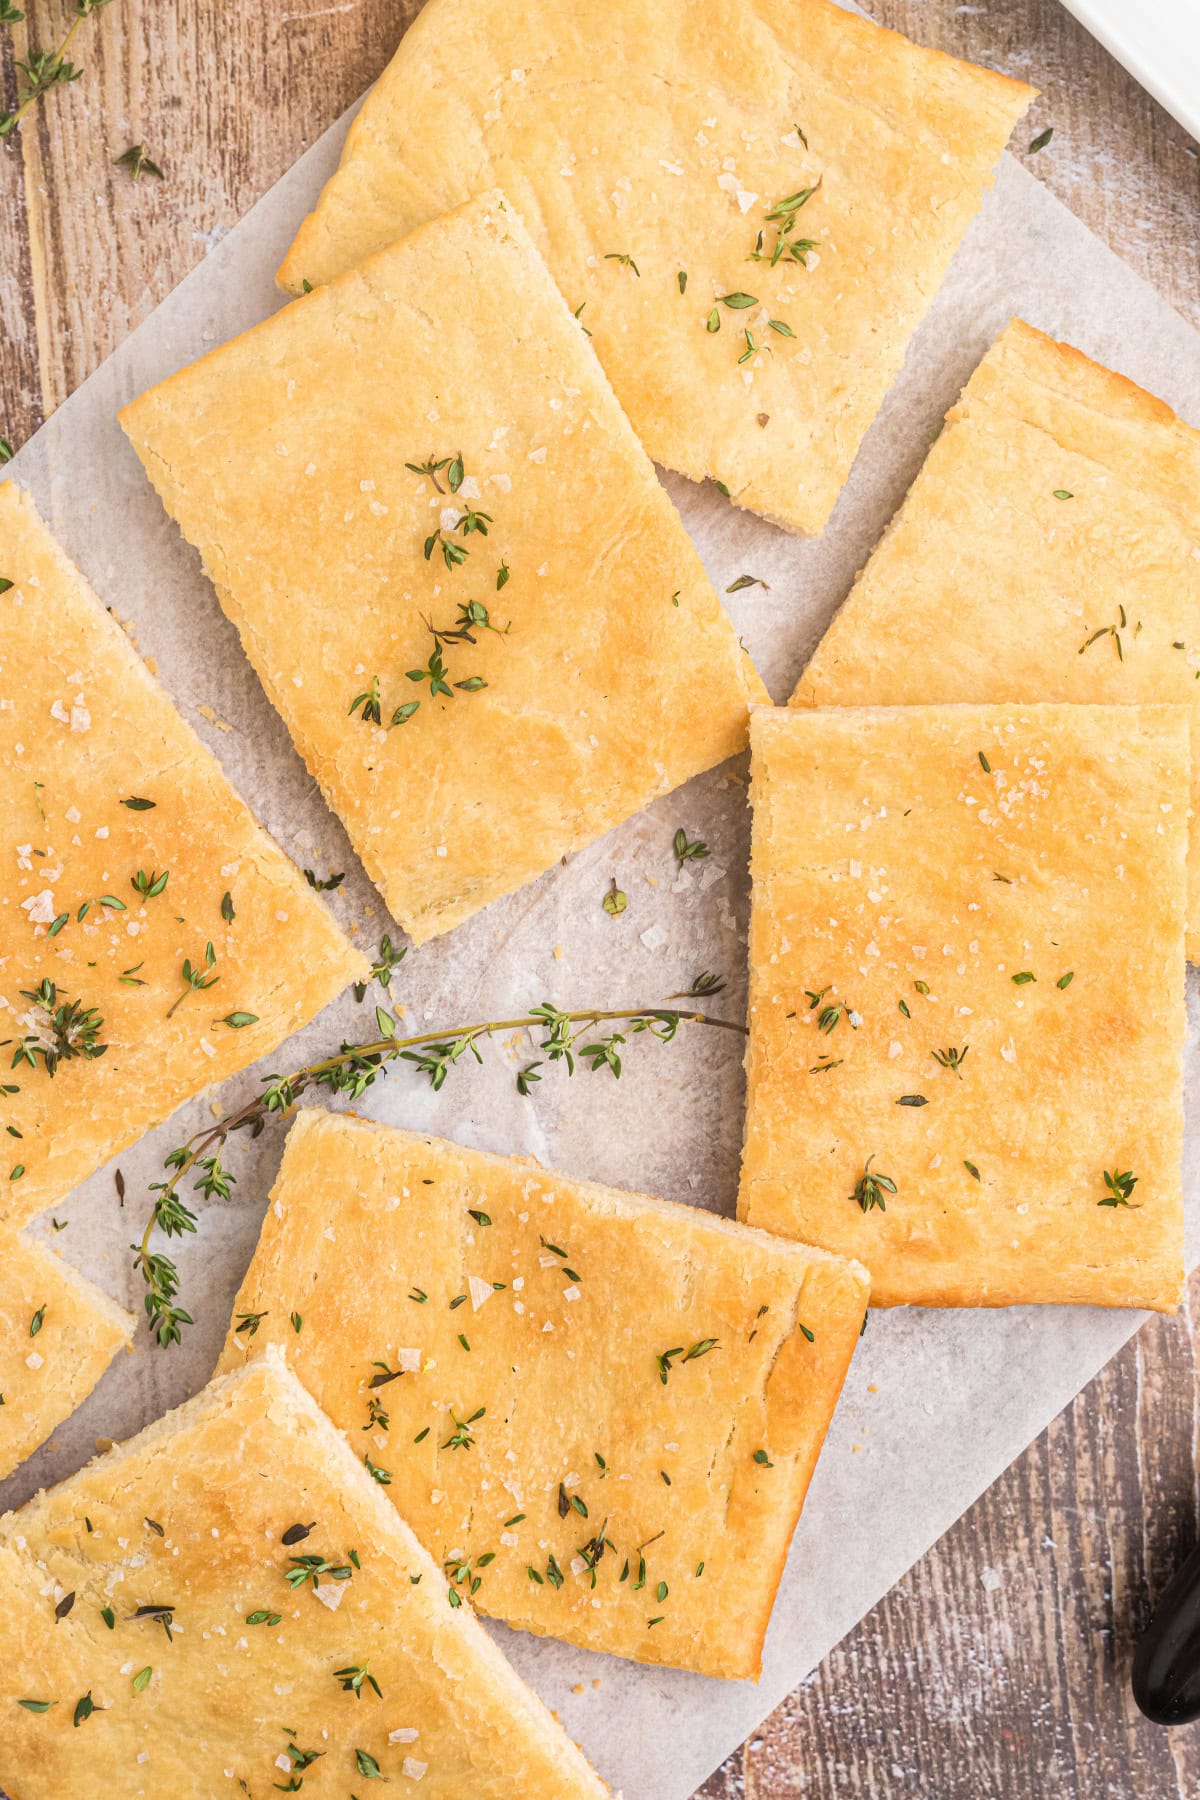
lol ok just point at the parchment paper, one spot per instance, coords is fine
(937, 1404)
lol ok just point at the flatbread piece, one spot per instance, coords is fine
(58, 1334)
(661, 151)
(240, 1610)
(967, 998)
(129, 861)
(600, 1412)
(428, 445)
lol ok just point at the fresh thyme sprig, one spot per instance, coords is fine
(45, 69)
(73, 1027)
(433, 466)
(195, 977)
(473, 616)
(870, 1189)
(830, 1017)
(784, 217)
(453, 553)
(383, 968)
(351, 1071)
(1120, 1184)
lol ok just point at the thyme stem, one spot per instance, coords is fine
(351, 1070)
(45, 71)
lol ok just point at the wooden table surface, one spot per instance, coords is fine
(999, 1666)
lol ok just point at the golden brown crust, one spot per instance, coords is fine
(665, 131)
(191, 1516)
(84, 728)
(969, 981)
(1057, 495)
(283, 457)
(58, 1334)
(594, 1285)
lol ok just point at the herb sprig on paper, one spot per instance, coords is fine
(566, 1038)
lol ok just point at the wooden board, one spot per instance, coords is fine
(954, 1686)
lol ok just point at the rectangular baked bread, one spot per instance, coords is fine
(753, 201)
(58, 1334)
(451, 564)
(1048, 550)
(967, 998)
(228, 1604)
(599, 1412)
(128, 861)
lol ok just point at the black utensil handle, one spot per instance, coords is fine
(1166, 1663)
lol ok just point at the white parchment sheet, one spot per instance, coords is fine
(937, 1404)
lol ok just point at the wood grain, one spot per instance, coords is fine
(999, 1666)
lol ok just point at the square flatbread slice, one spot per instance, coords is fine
(58, 1334)
(599, 1412)
(1048, 550)
(232, 1572)
(967, 998)
(104, 788)
(661, 151)
(598, 669)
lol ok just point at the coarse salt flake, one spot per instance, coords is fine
(480, 1291)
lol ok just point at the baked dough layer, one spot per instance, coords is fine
(613, 674)
(85, 729)
(58, 1334)
(496, 1284)
(1003, 949)
(1057, 495)
(663, 132)
(192, 1515)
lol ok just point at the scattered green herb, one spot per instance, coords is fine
(870, 1189)
(614, 901)
(666, 1357)
(74, 1030)
(1112, 631)
(355, 1677)
(688, 850)
(196, 978)
(1120, 1185)
(138, 163)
